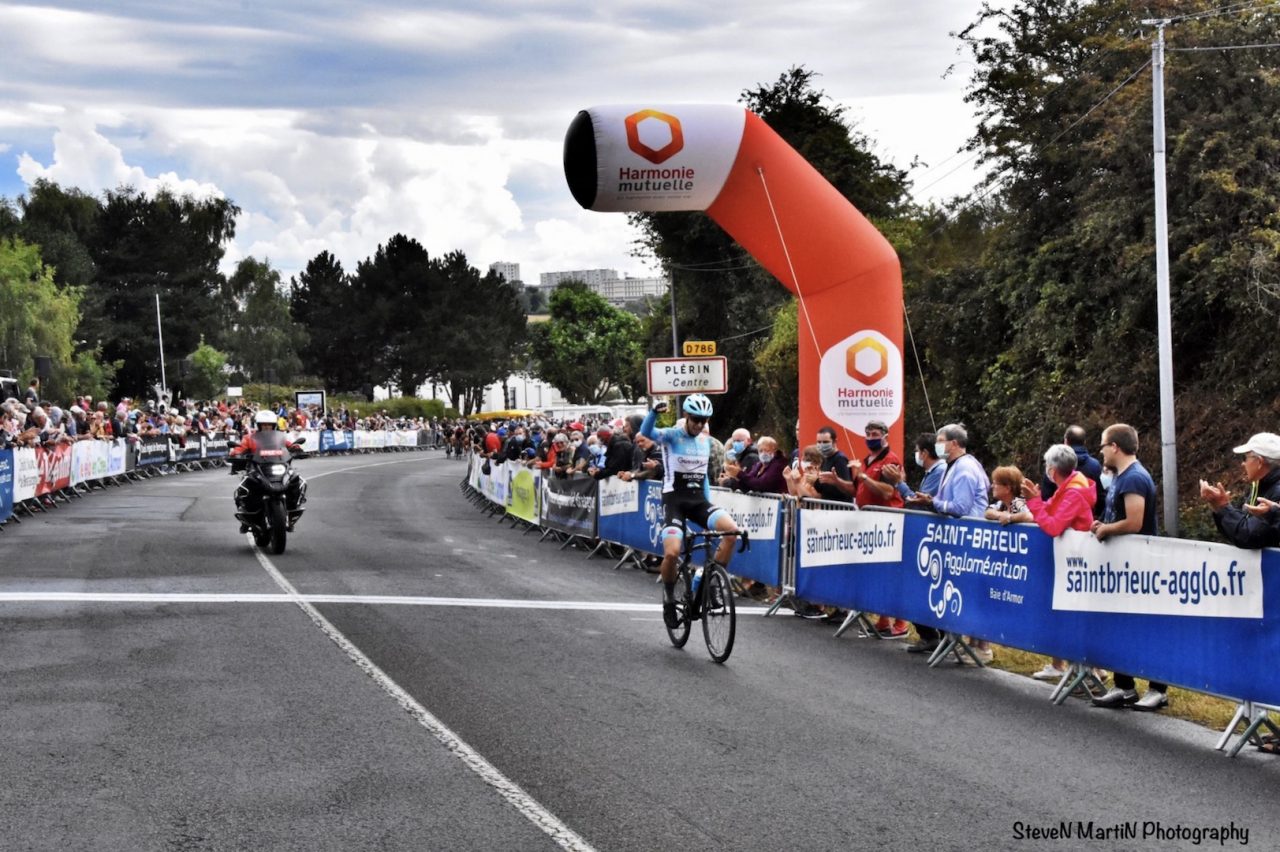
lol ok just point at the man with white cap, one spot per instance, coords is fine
(1239, 526)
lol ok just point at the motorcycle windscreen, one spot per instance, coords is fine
(271, 446)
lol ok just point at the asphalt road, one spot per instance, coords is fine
(164, 686)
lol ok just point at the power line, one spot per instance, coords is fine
(1221, 47)
(1254, 5)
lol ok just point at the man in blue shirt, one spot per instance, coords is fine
(963, 493)
(965, 487)
(1131, 508)
(934, 469)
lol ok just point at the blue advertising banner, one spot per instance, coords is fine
(6, 483)
(332, 441)
(761, 517)
(1167, 609)
(630, 514)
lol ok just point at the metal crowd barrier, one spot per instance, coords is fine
(1150, 606)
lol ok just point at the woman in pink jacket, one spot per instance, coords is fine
(1070, 507)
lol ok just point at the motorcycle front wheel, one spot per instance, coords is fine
(277, 524)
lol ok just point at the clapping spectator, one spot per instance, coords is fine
(1239, 526)
(1070, 507)
(767, 475)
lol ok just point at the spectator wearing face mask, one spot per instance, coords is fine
(766, 475)
(934, 469)
(835, 466)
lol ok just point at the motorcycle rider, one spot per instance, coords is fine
(267, 420)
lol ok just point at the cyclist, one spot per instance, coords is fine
(686, 490)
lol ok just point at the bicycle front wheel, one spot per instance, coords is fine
(680, 633)
(719, 618)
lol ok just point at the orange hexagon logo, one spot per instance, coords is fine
(867, 361)
(654, 155)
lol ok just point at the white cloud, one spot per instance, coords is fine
(334, 127)
(85, 158)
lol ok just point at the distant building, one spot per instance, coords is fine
(509, 271)
(619, 291)
(593, 278)
(616, 291)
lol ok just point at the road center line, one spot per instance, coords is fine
(564, 836)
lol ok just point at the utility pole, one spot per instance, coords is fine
(164, 386)
(1168, 431)
(671, 291)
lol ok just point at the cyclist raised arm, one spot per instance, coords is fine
(686, 491)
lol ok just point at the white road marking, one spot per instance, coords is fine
(366, 600)
(564, 836)
(359, 467)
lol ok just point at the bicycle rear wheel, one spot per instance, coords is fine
(719, 618)
(680, 633)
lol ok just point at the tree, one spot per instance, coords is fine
(264, 336)
(479, 331)
(322, 303)
(1062, 302)
(394, 293)
(588, 349)
(36, 317)
(207, 377)
(146, 246)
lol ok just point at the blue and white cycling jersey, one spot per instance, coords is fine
(685, 459)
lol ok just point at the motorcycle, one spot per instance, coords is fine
(271, 497)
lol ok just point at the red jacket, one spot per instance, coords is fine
(1070, 507)
(249, 446)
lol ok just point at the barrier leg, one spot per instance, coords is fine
(787, 596)
(953, 643)
(601, 545)
(860, 617)
(1243, 711)
(1259, 721)
(1077, 675)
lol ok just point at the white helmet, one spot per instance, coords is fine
(263, 418)
(698, 405)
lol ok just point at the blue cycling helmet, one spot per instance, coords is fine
(698, 405)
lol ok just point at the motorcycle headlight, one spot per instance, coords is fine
(276, 469)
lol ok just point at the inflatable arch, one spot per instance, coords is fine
(726, 161)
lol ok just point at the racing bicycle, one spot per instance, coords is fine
(712, 602)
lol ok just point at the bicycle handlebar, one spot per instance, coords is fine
(744, 538)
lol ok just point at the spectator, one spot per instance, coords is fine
(650, 455)
(835, 466)
(617, 456)
(1070, 507)
(962, 494)
(934, 469)
(1076, 438)
(559, 446)
(802, 481)
(1130, 508)
(1262, 471)
(766, 476)
(740, 446)
(865, 484)
(1006, 487)
(631, 428)
(31, 396)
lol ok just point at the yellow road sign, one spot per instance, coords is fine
(696, 348)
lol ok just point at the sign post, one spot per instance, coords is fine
(668, 376)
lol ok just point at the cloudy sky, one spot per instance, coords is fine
(335, 125)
